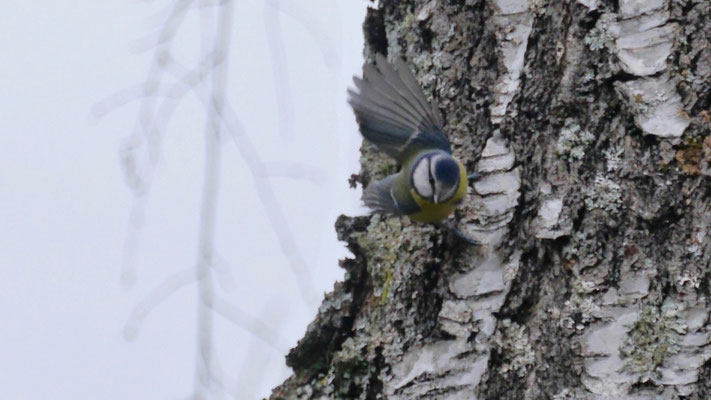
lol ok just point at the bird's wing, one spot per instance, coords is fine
(393, 113)
(382, 197)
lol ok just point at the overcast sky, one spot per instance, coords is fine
(66, 209)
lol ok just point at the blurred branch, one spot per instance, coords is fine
(258, 170)
(205, 373)
(254, 363)
(285, 169)
(159, 95)
(149, 125)
(134, 93)
(273, 209)
(155, 298)
(320, 36)
(282, 87)
(259, 329)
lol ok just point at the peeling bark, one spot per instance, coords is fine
(591, 122)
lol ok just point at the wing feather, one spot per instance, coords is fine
(393, 112)
(382, 83)
(411, 89)
(370, 97)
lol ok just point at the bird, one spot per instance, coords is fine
(393, 113)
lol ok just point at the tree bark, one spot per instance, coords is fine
(591, 121)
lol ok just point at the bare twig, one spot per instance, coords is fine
(155, 298)
(138, 174)
(205, 373)
(253, 366)
(264, 190)
(260, 330)
(282, 87)
(296, 11)
(165, 86)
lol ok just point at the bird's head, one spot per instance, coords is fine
(435, 177)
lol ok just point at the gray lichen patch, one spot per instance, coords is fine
(379, 164)
(668, 346)
(604, 194)
(654, 339)
(573, 140)
(600, 36)
(387, 240)
(517, 349)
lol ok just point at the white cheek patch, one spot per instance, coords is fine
(421, 179)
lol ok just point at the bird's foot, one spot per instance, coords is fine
(474, 176)
(461, 235)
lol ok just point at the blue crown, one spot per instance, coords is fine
(447, 171)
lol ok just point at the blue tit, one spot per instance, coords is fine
(393, 114)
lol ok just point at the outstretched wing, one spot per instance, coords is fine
(393, 113)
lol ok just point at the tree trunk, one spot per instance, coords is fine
(591, 120)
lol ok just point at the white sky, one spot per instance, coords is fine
(64, 206)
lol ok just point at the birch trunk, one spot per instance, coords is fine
(591, 121)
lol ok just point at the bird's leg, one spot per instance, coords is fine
(458, 233)
(474, 176)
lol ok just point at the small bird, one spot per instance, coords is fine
(393, 114)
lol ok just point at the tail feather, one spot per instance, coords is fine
(378, 197)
